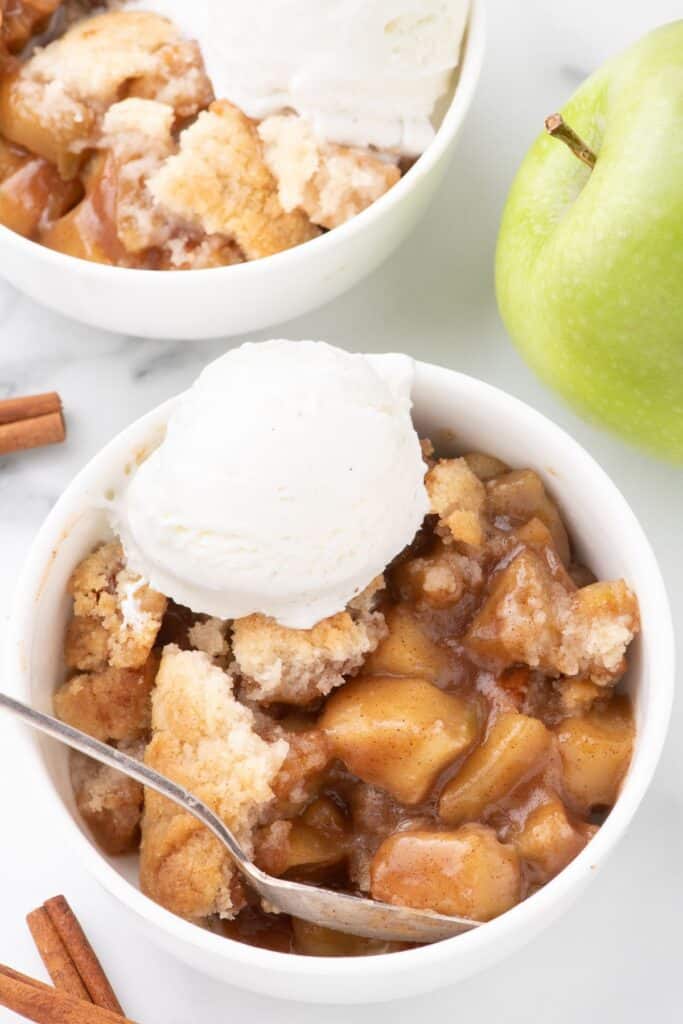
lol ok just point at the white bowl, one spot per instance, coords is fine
(234, 300)
(448, 405)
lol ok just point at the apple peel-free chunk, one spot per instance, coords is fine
(517, 624)
(549, 840)
(407, 650)
(467, 872)
(314, 940)
(398, 734)
(520, 495)
(287, 845)
(485, 466)
(516, 748)
(596, 751)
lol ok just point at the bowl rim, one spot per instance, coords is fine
(539, 909)
(468, 77)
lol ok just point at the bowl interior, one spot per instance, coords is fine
(458, 413)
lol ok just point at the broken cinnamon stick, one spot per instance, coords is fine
(31, 433)
(82, 954)
(44, 1005)
(29, 407)
(30, 422)
(55, 955)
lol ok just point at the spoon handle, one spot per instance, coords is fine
(134, 769)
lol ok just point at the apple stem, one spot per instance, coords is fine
(556, 126)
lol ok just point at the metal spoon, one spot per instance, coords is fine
(335, 910)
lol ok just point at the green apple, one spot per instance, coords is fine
(589, 266)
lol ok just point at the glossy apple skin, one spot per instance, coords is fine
(589, 266)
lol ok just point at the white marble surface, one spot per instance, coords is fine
(616, 956)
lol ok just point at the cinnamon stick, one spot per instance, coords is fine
(55, 955)
(29, 407)
(44, 1005)
(31, 433)
(82, 954)
(9, 972)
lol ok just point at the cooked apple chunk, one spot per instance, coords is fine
(517, 624)
(467, 872)
(318, 839)
(407, 650)
(485, 466)
(20, 20)
(399, 734)
(521, 496)
(516, 748)
(314, 940)
(32, 195)
(458, 497)
(302, 772)
(88, 230)
(596, 751)
(548, 840)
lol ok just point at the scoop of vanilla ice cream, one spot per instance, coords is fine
(289, 476)
(363, 72)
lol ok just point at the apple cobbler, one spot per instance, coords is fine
(450, 741)
(113, 148)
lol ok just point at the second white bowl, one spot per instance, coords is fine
(225, 301)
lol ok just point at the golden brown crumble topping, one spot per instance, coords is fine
(109, 704)
(449, 741)
(204, 739)
(330, 183)
(298, 665)
(139, 136)
(115, 607)
(458, 497)
(219, 182)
